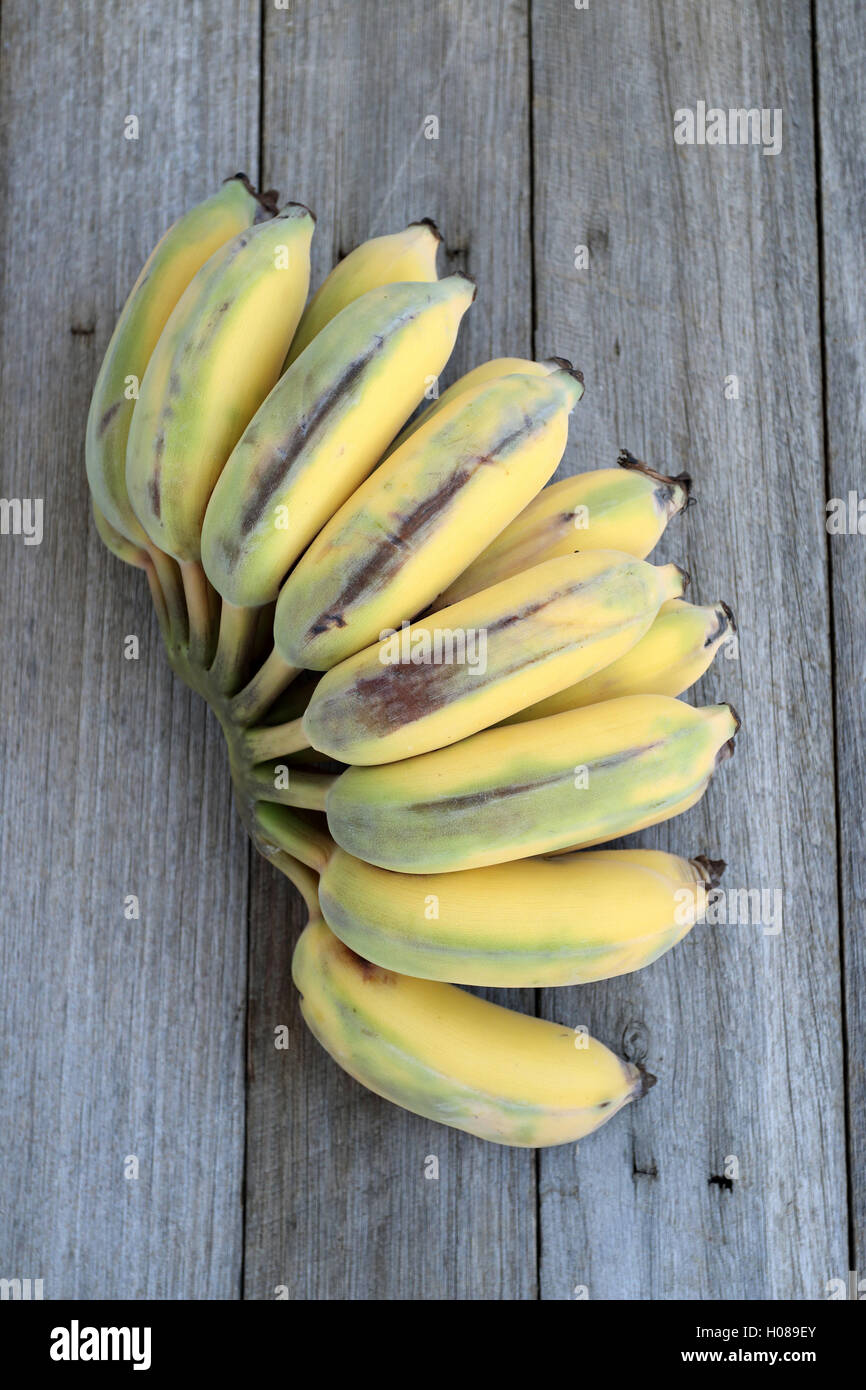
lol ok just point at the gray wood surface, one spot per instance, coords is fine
(841, 53)
(121, 1038)
(704, 263)
(274, 1171)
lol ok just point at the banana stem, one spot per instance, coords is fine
(301, 877)
(198, 606)
(172, 589)
(282, 828)
(276, 741)
(158, 600)
(257, 697)
(237, 635)
(305, 790)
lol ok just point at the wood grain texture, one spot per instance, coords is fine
(127, 1037)
(841, 54)
(120, 1037)
(703, 263)
(338, 1205)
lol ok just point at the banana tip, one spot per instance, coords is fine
(711, 870)
(679, 485)
(738, 723)
(268, 200)
(729, 614)
(469, 281)
(684, 575)
(644, 1083)
(296, 210)
(428, 222)
(562, 363)
(684, 481)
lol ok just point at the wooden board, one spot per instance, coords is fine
(338, 1205)
(703, 265)
(841, 108)
(274, 1173)
(122, 1038)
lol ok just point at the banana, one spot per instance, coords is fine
(675, 652)
(624, 508)
(384, 260)
(322, 429)
(450, 1056)
(570, 780)
(412, 527)
(471, 665)
(486, 371)
(167, 272)
(532, 923)
(218, 357)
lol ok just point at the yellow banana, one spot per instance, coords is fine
(322, 429)
(529, 923)
(450, 1056)
(487, 371)
(625, 508)
(423, 515)
(384, 260)
(675, 652)
(217, 359)
(569, 780)
(469, 666)
(167, 272)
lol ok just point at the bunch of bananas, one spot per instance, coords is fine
(440, 680)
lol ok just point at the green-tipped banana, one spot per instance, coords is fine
(676, 651)
(322, 430)
(217, 359)
(419, 520)
(384, 260)
(625, 508)
(471, 665)
(571, 780)
(167, 272)
(455, 1058)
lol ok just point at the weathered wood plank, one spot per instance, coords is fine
(121, 1037)
(338, 1205)
(703, 265)
(841, 53)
